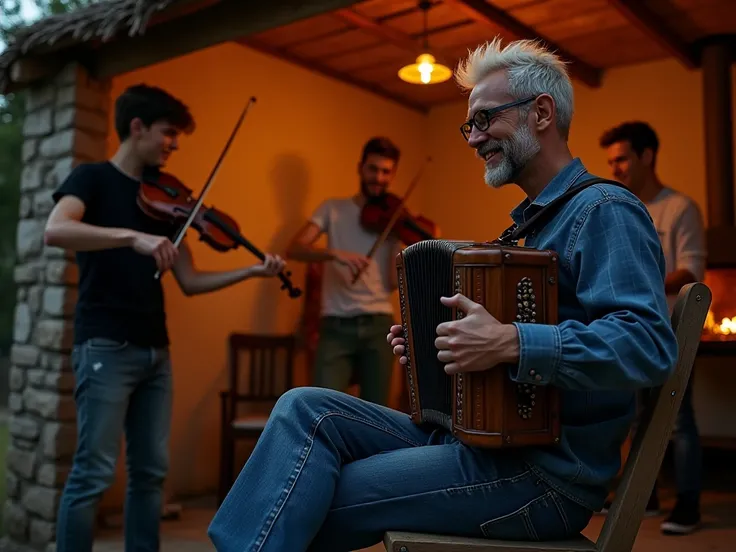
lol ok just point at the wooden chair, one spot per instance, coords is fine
(259, 383)
(624, 518)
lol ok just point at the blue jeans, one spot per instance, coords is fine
(119, 387)
(687, 450)
(332, 472)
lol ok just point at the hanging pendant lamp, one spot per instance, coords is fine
(426, 70)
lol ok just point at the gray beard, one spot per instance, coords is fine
(517, 151)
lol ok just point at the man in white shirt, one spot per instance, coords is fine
(632, 153)
(354, 317)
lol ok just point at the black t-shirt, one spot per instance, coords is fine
(119, 297)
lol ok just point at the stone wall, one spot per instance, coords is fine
(66, 123)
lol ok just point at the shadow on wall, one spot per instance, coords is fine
(289, 184)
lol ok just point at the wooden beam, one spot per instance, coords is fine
(649, 24)
(224, 21)
(487, 14)
(316, 67)
(392, 36)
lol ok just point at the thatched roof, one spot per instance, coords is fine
(99, 21)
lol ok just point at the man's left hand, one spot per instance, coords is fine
(475, 342)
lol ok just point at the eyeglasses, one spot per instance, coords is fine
(482, 119)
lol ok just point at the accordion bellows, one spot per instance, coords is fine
(484, 409)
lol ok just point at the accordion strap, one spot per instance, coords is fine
(514, 233)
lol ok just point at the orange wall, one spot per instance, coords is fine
(299, 144)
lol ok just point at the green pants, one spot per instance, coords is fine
(354, 350)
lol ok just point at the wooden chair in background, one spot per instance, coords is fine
(257, 383)
(642, 466)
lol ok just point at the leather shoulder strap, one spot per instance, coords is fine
(515, 233)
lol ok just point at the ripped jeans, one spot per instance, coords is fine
(332, 472)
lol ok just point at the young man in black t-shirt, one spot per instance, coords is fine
(120, 356)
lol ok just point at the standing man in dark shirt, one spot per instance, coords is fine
(120, 356)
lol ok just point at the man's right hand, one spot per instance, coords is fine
(396, 341)
(354, 261)
(159, 247)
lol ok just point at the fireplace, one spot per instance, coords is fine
(719, 331)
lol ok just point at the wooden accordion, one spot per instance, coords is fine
(483, 409)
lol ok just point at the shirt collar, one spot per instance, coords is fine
(556, 187)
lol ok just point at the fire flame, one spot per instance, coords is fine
(726, 327)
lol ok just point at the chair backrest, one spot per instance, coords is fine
(658, 419)
(269, 370)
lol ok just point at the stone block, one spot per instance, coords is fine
(51, 252)
(60, 169)
(59, 300)
(29, 239)
(59, 144)
(12, 484)
(35, 299)
(38, 123)
(24, 444)
(38, 97)
(17, 378)
(15, 519)
(15, 402)
(49, 405)
(56, 335)
(36, 377)
(43, 203)
(82, 96)
(25, 207)
(41, 532)
(33, 174)
(28, 273)
(29, 149)
(41, 501)
(62, 272)
(58, 440)
(25, 355)
(23, 324)
(25, 427)
(21, 294)
(21, 462)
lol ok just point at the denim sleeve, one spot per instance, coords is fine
(627, 341)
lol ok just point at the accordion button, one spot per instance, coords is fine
(538, 377)
(532, 372)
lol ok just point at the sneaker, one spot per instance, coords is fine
(684, 519)
(651, 510)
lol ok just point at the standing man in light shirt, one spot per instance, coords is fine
(354, 317)
(632, 149)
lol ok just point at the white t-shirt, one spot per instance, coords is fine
(681, 230)
(340, 220)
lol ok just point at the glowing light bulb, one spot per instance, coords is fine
(425, 71)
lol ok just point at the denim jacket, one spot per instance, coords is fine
(614, 334)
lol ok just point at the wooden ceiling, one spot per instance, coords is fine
(369, 42)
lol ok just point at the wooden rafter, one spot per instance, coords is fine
(218, 22)
(647, 22)
(317, 67)
(392, 36)
(485, 13)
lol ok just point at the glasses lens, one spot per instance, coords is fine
(481, 120)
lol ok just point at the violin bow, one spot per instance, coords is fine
(394, 217)
(183, 230)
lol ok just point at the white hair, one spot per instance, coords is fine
(531, 70)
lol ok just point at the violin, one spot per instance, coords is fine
(387, 216)
(162, 196)
(377, 213)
